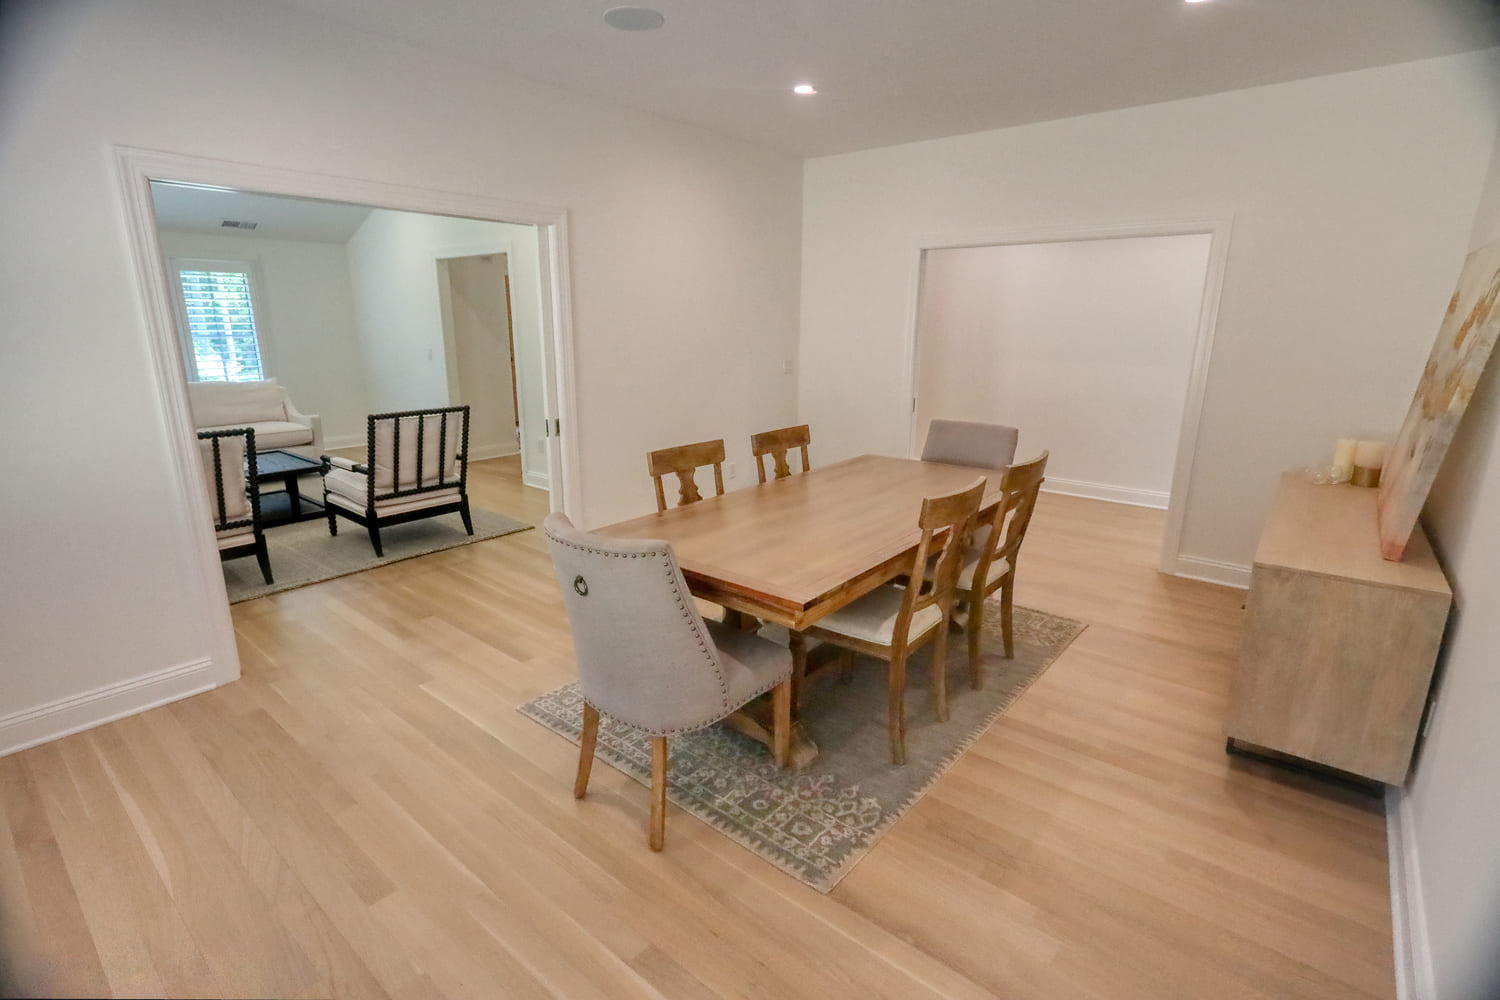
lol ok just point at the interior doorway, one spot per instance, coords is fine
(474, 294)
(547, 228)
(1094, 344)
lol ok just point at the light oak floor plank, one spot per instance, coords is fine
(364, 813)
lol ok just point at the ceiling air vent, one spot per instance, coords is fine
(237, 224)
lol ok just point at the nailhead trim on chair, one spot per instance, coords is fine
(709, 651)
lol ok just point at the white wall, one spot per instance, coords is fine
(1352, 197)
(1084, 346)
(479, 351)
(393, 263)
(308, 320)
(1452, 807)
(684, 259)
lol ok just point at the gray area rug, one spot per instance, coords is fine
(305, 553)
(816, 823)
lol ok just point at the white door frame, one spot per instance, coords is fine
(137, 168)
(1216, 227)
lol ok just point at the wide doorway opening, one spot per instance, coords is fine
(1095, 349)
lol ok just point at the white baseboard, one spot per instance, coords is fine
(480, 452)
(73, 714)
(537, 480)
(343, 441)
(1104, 491)
(1414, 975)
(1212, 571)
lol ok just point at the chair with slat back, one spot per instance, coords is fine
(233, 496)
(417, 466)
(891, 621)
(646, 657)
(963, 442)
(990, 560)
(776, 444)
(682, 461)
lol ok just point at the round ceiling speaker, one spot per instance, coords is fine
(634, 18)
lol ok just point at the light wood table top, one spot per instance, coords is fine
(794, 550)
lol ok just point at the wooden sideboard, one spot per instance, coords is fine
(1339, 644)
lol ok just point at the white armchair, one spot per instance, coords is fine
(416, 466)
(265, 407)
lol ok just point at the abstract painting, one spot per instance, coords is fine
(1464, 341)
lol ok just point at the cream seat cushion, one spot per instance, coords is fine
(350, 490)
(872, 618)
(235, 537)
(272, 434)
(998, 568)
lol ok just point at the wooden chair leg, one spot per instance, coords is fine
(781, 723)
(658, 831)
(333, 522)
(1007, 591)
(846, 666)
(374, 530)
(896, 717)
(940, 670)
(586, 749)
(264, 558)
(972, 625)
(798, 645)
(463, 512)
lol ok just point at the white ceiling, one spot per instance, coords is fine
(203, 210)
(891, 71)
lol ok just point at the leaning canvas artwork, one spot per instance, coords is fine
(1464, 343)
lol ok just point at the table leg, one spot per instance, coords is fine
(293, 497)
(756, 720)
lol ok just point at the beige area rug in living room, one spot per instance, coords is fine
(816, 823)
(305, 553)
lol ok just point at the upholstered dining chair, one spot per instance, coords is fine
(776, 444)
(416, 466)
(683, 461)
(892, 621)
(647, 658)
(229, 470)
(962, 442)
(990, 558)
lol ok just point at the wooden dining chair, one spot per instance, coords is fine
(990, 560)
(646, 658)
(683, 461)
(776, 444)
(963, 442)
(891, 621)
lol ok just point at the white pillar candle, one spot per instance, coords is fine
(1343, 459)
(1369, 454)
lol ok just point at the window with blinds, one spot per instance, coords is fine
(219, 316)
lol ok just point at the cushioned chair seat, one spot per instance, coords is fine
(350, 490)
(998, 568)
(753, 665)
(872, 618)
(273, 434)
(235, 537)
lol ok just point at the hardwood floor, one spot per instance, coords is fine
(364, 813)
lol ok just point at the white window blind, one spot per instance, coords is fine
(221, 336)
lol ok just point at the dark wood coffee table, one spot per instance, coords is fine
(288, 506)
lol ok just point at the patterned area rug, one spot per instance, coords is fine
(816, 823)
(305, 553)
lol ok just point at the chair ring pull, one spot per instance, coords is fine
(580, 586)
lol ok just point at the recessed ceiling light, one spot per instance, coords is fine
(804, 88)
(1195, 1)
(634, 18)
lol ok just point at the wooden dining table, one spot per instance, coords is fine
(794, 550)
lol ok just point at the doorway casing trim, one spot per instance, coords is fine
(1217, 227)
(136, 168)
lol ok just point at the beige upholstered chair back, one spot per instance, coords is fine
(961, 442)
(644, 654)
(227, 476)
(417, 450)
